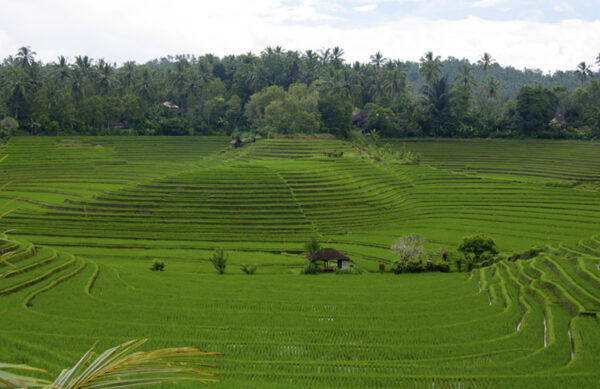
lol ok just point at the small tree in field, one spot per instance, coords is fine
(312, 246)
(409, 247)
(473, 247)
(219, 260)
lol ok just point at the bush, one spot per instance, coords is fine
(248, 269)
(219, 260)
(473, 247)
(419, 267)
(310, 268)
(157, 266)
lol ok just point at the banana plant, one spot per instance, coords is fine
(118, 367)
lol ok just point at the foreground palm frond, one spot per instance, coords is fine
(121, 367)
(13, 380)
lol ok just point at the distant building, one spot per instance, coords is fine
(235, 143)
(170, 105)
(328, 254)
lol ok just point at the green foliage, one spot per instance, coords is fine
(8, 126)
(157, 266)
(536, 107)
(312, 246)
(475, 246)
(219, 260)
(311, 268)
(249, 269)
(336, 114)
(296, 93)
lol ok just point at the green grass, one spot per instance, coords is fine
(89, 215)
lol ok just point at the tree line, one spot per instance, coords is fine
(291, 92)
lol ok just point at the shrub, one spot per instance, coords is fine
(310, 268)
(474, 246)
(219, 260)
(248, 269)
(157, 266)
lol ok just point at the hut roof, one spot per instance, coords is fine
(327, 254)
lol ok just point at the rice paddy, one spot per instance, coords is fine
(85, 217)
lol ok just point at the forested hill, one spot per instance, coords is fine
(292, 92)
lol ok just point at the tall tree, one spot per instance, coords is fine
(486, 61)
(378, 60)
(15, 85)
(25, 57)
(583, 72)
(430, 67)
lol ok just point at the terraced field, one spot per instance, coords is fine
(98, 210)
(515, 159)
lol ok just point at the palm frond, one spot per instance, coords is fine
(9, 379)
(120, 367)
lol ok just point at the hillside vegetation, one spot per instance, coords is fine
(293, 92)
(85, 217)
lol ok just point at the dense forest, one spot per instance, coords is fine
(289, 92)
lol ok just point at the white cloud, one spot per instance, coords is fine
(366, 8)
(124, 30)
(487, 3)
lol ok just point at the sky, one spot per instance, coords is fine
(537, 34)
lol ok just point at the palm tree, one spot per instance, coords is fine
(15, 85)
(430, 67)
(377, 60)
(106, 79)
(492, 89)
(583, 72)
(128, 73)
(437, 99)
(25, 57)
(62, 70)
(464, 76)
(486, 61)
(84, 64)
(145, 87)
(336, 56)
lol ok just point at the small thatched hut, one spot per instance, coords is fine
(328, 254)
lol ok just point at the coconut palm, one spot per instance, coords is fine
(15, 85)
(430, 67)
(61, 70)
(84, 64)
(378, 60)
(336, 57)
(119, 367)
(105, 79)
(145, 86)
(128, 75)
(486, 61)
(25, 57)
(464, 76)
(583, 72)
(492, 89)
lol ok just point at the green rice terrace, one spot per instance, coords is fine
(84, 218)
